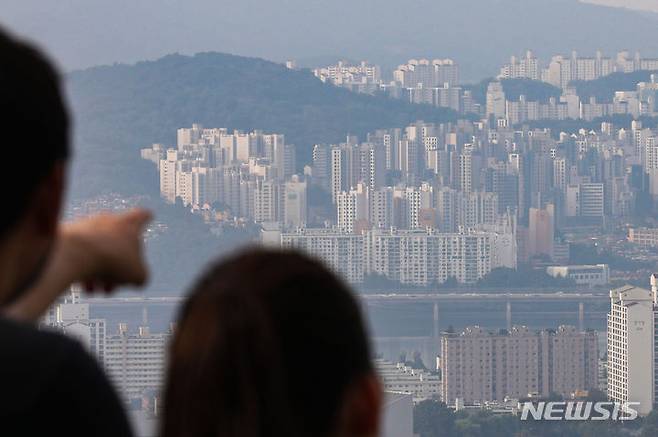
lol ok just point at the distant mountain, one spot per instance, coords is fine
(121, 108)
(480, 34)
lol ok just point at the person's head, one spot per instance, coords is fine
(270, 343)
(35, 146)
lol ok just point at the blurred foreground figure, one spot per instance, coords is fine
(50, 384)
(270, 344)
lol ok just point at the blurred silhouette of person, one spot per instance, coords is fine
(270, 343)
(50, 384)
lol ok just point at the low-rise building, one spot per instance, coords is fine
(590, 275)
(643, 236)
(400, 378)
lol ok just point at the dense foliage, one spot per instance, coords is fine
(523, 277)
(533, 90)
(434, 419)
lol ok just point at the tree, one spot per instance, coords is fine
(433, 419)
(650, 425)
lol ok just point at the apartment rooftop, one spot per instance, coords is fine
(629, 294)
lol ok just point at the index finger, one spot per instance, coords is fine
(139, 216)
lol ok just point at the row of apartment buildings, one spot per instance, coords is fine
(413, 257)
(641, 102)
(562, 70)
(436, 82)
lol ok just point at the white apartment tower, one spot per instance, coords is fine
(267, 201)
(496, 100)
(631, 346)
(168, 176)
(352, 209)
(295, 208)
(381, 210)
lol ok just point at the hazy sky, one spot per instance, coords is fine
(646, 5)
(480, 34)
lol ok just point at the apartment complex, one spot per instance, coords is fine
(250, 174)
(479, 366)
(561, 69)
(591, 275)
(361, 78)
(134, 361)
(569, 105)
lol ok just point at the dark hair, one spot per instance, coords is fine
(33, 120)
(267, 345)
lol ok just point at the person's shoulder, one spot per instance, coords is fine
(46, 376)
(33, 360)
(21, 341)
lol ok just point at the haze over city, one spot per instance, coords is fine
(82, 34)
(370, 218)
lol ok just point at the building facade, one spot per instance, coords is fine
(632, 347)
(479, 366)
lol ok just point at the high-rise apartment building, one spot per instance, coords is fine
(135, 362)
(632, 347)
(295, 209)
(352, 209)
(541, 231)
(267, 201)
(495, 100)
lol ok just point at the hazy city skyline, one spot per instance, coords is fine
(79, 34)
(481, 175)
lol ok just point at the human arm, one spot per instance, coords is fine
(100, 252)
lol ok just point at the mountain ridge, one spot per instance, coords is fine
(479, 34)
